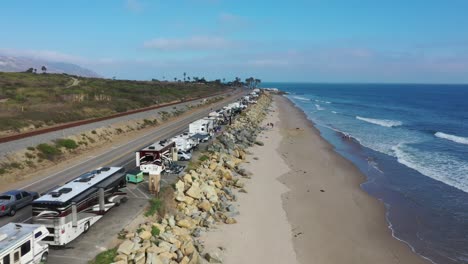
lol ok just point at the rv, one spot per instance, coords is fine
(184, 142)
(152, 159)
(70, 210)
(22, 243)
(201, 126)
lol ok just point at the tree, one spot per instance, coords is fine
(224, 80)
(35, 70)
(44, 69)
(185, 75)
(30, 70)
(188, 78)
(257, 82)
(175, 79)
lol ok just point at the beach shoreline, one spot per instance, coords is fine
(305, 203)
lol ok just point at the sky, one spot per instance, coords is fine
(395, 41)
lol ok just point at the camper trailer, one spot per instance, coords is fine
(184, 142)
(22, 243)
(152, 159)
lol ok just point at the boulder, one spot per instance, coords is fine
(194, 191)
(145, 235)
(213, 257)
(180, 186)
(205, 205)
(187, 178)
(185, 260)
(152, 258)
(213, 165)
(126, 247)
(187, 248)
(230, 221)
(140, 258)
(121, 257)
(186, 223)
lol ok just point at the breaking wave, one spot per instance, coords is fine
(319, 107)
(381, 122)
(301, 98)
(457, 139)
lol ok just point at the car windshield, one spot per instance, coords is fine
(5, 197)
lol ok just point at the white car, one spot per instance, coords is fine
(182, 155)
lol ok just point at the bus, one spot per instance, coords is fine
(68, 211)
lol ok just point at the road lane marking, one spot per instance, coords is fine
(138, 189)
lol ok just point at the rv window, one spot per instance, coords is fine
(38, 234)
(6, 259)
(25, 248)
(16, 257)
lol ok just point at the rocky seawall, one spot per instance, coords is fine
(202, 200)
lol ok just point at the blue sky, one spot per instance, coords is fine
(315, 40)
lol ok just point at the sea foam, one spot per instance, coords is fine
(319, 108)
(457, 139)
(381, 122)
(300, 98)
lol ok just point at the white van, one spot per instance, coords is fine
(22, 243)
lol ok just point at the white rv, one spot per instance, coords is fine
(201, 126)
(22, 243)
(184, 142)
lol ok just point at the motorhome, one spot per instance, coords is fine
(184, 142)
(201, 126)
(22, 243)
(153, 158)
(68, 211)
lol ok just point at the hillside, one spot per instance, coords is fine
(29, 101)
(21, 64)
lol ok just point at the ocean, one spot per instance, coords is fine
(411, 142)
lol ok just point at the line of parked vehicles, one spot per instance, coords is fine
(63, 213)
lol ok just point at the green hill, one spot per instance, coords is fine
(46, 99)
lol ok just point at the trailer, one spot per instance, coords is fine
(153, 158)
(22, 243)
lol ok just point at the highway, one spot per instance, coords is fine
(119, 155)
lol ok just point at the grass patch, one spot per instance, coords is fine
(155, 206)
(29, 155)
(2, 171)
(66, 143)
(203, 158)
(31, 148)
(105, 257)
(48, 151)
(155, 231)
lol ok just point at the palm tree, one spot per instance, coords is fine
(44, 69)
(185, 75)
(175, 79)
(224, 80)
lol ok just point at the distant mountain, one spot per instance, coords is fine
(21, 64)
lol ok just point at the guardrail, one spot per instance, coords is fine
(93, 120)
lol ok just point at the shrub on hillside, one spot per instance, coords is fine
(66, 143)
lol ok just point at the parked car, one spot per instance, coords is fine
(14, 200)
(182, 155)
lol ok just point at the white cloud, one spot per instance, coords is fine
(46, 55)
(195, 43)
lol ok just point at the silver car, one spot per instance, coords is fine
(14, 200)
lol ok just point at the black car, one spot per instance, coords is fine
(14, 200)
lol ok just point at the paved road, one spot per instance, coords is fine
(88, 245)
(12, 146)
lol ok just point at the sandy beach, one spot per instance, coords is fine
(305, 205)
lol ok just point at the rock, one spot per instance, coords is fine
(155, 249)
(186, 223)
(161, 227)
(239, 184)
(230, 221)
(194, 191)
(195, 258)
(187, 178)
(188, 200)
(242, 190)
(185, 260)
(130, 235)
(187, 248)
(196, 232)
(230, 164)
(231, 208)
(171, 221)
(213, 257)
(210, 193)
(140, 258)
(213, 165)
(153, 258)
(180, 186)
(145, 235)
(166, 257)
(126, 247)
(205, 206)
(121, 257)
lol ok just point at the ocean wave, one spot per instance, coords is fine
(436, 165)
(457, 139)
(319, 108)
(320, 101)
(381, 122)
(300, 98)
(334, 112)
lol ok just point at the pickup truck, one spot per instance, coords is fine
(14, 200)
